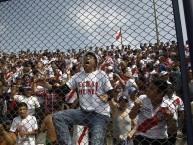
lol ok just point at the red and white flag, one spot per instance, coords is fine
(118, 35)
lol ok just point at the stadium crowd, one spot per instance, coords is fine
(142, 86)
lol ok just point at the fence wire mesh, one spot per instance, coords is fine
(90, 72)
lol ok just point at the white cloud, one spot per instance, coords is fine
(93, 17)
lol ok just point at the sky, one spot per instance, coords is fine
(76, 24)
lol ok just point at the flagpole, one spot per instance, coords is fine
(156, 23)
(121, 38)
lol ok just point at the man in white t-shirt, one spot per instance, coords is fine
(31, 101)
(94, 91)
(24, 126)
(154, 116)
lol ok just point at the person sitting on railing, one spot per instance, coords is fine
(94, 90)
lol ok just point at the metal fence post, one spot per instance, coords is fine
(188, 10)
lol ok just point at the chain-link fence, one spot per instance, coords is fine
(91, 72)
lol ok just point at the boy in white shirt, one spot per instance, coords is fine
(24, 126)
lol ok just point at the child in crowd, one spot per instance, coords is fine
(24, 126)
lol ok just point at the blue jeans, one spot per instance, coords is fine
(95, 122)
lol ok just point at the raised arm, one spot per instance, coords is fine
(134, 129)
(171, 122)
(60, 90)
(14, 90)
(122, 82)
(109, 95)
(135, 110)
(113, 106)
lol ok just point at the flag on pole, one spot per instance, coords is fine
(118, 35)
